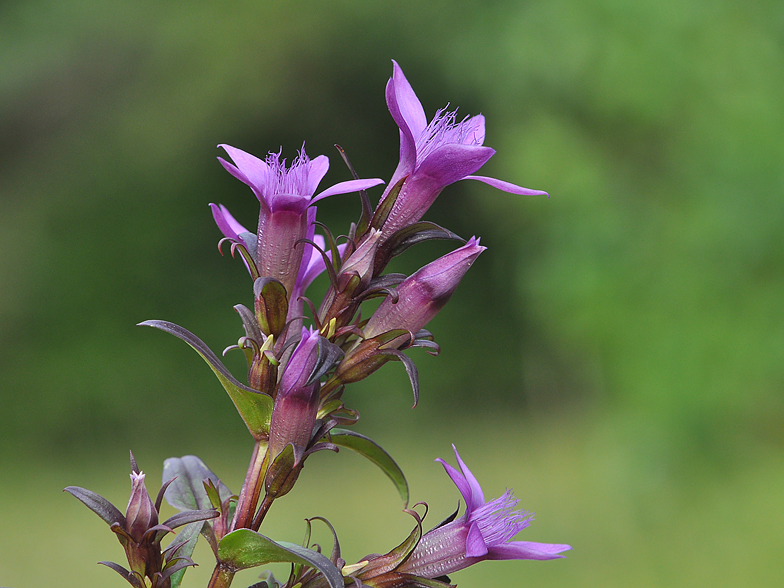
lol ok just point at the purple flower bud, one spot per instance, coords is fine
(296, 402)
(285, 194)
(433, 155)
(140, 514)
(424, 293)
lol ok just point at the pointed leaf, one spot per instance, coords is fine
(254, 407)
(131, 578)
(375, 453)
(190, 516)
(187, 491)
(98, 504)
(410, 235)
(328, 355)
(411, 370)
(244, 549)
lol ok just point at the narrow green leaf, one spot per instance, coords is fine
(254, 407)
(245, 549)
(375, 453)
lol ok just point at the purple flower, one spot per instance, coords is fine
(423, 293)
(484, 532)
(296, 402)
(285, 195)
(433, 155)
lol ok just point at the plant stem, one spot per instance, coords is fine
(221, 577)
(251, 488)
(265, 506)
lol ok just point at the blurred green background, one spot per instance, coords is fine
(616, 356)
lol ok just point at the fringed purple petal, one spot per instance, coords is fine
(452, 162)
(507, 186)
(316, 171)
(477, 496)
(527, 550)
(346, 187)
(475, 544)
(475, 127)
(252, 170)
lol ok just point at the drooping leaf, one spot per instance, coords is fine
(131, 578)
(245, 549)
(411, 235)
(376, 454)
(411, 370)
(187, 491)
(98, 504)
(254, 407)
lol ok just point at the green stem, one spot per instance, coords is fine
(251, 488)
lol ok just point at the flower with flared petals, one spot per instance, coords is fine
(433, 155)
(484, 532)
(423, 293)
(285, 195)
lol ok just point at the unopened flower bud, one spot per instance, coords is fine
(424, 293)
(140, 514)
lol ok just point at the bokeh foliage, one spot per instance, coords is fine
(644, 295)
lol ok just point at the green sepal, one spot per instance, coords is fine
(243, 549)
(272, 305)
(283, 472)
(376, 454)
(385, 206)
(254, 407)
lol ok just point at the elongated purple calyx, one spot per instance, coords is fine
(285, 193)
(423, 294)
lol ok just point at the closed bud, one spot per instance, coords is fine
(424, 293)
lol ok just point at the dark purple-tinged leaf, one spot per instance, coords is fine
(408, 236)
(328, 355)
(178, 566)
(190, 516)
(245, 549)
(376, 454)
(249, 323)
(411, 370)
(131, 578)
(161, 492)
(187, 491)
(254, 407)
(98, 504)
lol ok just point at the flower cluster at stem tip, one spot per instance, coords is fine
(302, 353)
